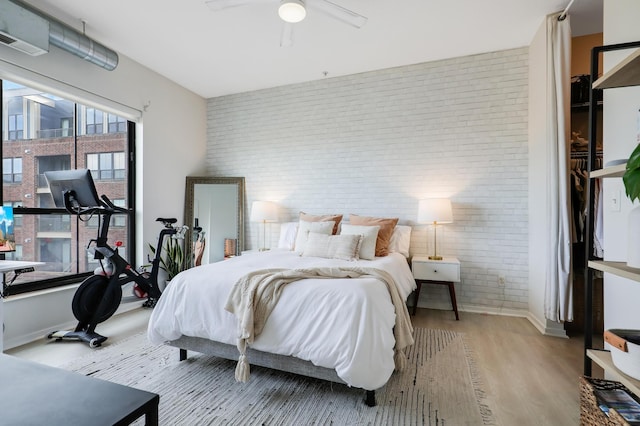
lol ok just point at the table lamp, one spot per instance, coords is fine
(435, 211)
(264, 211)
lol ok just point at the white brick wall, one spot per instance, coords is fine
(375, 143)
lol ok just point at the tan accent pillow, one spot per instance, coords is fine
(384, 234)
(336, 218)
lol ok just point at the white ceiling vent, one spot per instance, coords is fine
(23, 30)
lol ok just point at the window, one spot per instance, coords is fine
(49, 163)
(15, 111)
(106, 165)
(16, 127)
(44, 232)
(52, 114)
(117, 124)
(65, 126)
(94, 121)
(12, 170)
(119, 220)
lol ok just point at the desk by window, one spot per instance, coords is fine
(18, 267)
(36, 394)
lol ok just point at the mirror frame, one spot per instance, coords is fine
(191, 182)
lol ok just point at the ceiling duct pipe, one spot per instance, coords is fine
(67, 38)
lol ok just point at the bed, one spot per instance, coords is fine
(338, 329)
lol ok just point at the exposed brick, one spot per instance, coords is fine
(375, 143)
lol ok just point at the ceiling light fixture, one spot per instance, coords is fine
(292, 11)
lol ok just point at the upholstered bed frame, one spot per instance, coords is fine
(278, 362)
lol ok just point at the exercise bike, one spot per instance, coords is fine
(99, 296)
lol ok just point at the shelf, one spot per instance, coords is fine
(603, 359)
(585, 105)
(626, 73)
(613, 171)
(617, 268)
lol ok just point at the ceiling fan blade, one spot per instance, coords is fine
(286, 39)
(338, 12)
(226, 4)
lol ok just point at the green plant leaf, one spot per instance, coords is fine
(172, 257)
(634, 159)
(631, 181)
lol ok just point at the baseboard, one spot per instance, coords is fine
(489, 310)
(549, 329)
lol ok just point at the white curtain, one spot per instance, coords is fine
(559, 289)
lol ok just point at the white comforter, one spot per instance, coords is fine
(342, 324)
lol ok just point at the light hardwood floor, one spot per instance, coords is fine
(530, 379)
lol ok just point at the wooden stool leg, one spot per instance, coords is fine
(454, 303)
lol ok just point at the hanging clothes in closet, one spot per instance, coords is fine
(579, 197)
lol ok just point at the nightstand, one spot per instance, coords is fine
(443, 272)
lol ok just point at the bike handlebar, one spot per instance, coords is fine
(107, 206)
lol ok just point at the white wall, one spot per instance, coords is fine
(621, 129)
(375, 143)
(170, 145)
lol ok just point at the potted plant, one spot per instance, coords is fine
(631, 180)
(172, 259)
(631, 177)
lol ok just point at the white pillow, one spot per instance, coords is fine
(400, 240)
(369, 236)
(305, 227)
(332, 246)
(288, 235)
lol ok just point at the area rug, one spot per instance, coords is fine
(440, 386)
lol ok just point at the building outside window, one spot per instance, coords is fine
(107, 165)
(65, 126)
(39, 136)
(12, 170)
(15, 124)
(94, 121)
(117, 124)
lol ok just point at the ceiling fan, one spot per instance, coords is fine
(293, 11)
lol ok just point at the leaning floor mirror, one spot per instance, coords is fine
(214, 213)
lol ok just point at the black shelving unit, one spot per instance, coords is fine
(625, 74)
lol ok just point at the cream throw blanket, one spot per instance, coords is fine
(254, 296)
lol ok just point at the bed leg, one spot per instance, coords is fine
(183, 354)
(370, 398)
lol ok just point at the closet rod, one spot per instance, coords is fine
(563, 15)
(584, 154)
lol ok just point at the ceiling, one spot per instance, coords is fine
(214, 53)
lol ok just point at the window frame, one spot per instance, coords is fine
(130, 173)
(13, 174)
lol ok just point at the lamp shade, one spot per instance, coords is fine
(264, 211)
(435, 210)
(292, 11)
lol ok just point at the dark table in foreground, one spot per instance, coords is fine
(36, 394)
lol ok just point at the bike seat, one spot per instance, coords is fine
(169, 221)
